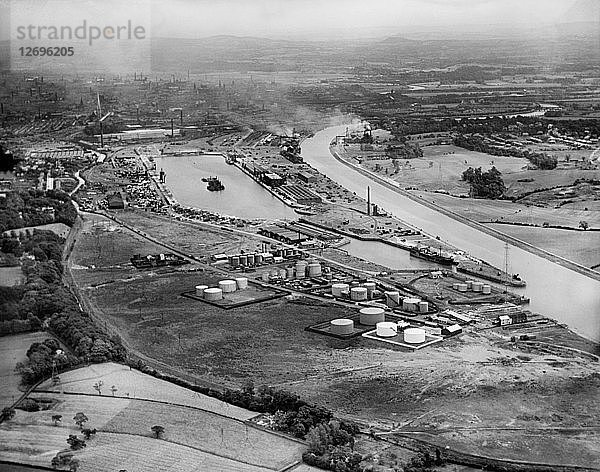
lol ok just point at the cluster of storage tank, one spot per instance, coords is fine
(388, 329)
(258, 258)
(224, 286)
(472, 286)
(412, 304)
(301, 270)
(355, 291)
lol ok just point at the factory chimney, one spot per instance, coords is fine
(181, 117)
(171, 127)
(368, 200)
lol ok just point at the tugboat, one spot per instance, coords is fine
(427, 254)
(215, 185)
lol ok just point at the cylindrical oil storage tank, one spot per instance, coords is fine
(423, 307)
(300, 269)
(462, 287)
(358, 294)
(243, 260)
(486, 289)
(337, 289)
(228, 286)
(230, 260)
(213, 294)
(250, 259)
(258, 258)
(410, 304)
(455, 286)
(235, 261)
(200, 290)
(371, 316)
(392, 299)
(314, 269)
(242, 283)
(341, 326)
(387, 329)
(290, 272)
(370, 286)
(282, 273)
(477, 286)
(414, 335)
(265, 276)
(470, 284)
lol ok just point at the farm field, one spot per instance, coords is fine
(132, 384)
(441, 168)
(212, 441)
(11, 276)
(503, 210)
(578, 246)
(12, 350)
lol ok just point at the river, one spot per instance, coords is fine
(558, 292)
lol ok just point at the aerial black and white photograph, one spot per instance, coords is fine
(300, 235)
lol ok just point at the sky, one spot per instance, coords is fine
(350, 18)
(303, 19)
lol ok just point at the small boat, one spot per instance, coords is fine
(215, 185)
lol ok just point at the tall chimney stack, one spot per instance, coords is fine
(368, 200)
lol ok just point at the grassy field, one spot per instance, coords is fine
(577, 246)
(134, 384)
(192, 436)
(12, 350)
(441, 168)
(11, 276)
(502, 210)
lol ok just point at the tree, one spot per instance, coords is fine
(73, 465)
(75, 442)
(113, 389)
(584, 225)
(80, 419)
(61, 459)
(56, 419)
(8, 413)
(158, 431)
(88, 433)
(98, 386)
(485, 184)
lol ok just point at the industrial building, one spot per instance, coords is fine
(283, 235)
(300, 194)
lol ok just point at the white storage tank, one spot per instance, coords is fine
(462, 287)
(423, 307)
(486, 289)
(243, 260)
(290, 272)
(264, 276)
(410, 304)
(300, 269)
(358, 294)
(258, 258)
(283, 273)
(470, 284)
(235, 261)
(371, 316)
(414, 335)
(250, 259)
(477, 286)
(387, 329)
(242, 283)
(227, 286)
(213, 294)
(200, 290)
(392, 299)
(455, 286)
(341, 326)
(337, 289)
(370, 286)
(314, 269)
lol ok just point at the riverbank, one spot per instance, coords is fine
(490, 231)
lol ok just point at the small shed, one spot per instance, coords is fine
(504, 320)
